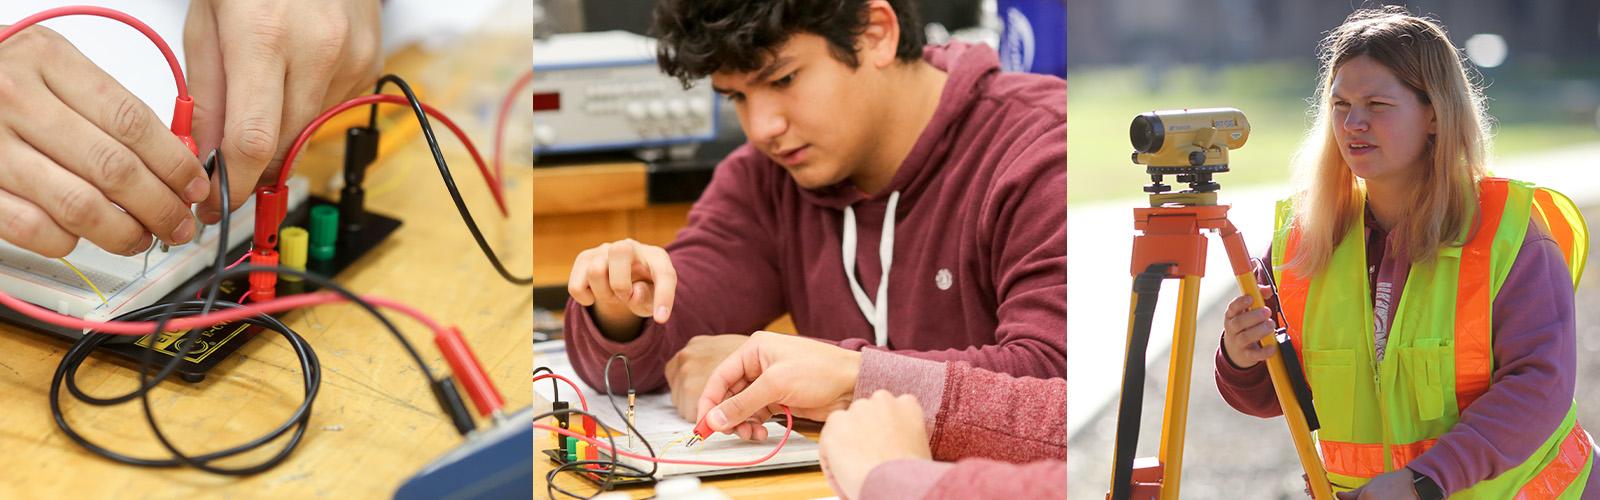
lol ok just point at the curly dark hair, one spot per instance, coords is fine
(701, 37)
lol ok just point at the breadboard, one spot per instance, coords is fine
(127, 282)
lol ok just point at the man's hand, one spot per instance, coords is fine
(1394, 485)
(812, 378)
(688, 369)
(84, 158)
(263, 69)
(624, 281)
(874, 430)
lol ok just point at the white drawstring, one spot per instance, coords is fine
(877, 313)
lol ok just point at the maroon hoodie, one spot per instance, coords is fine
(979, 243)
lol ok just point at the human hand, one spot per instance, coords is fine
(876, 429)
(1242, 331)
(84, 158)
(1395, 485)
(261, 70)
(624, 281)
(688, 369)
(812, 378)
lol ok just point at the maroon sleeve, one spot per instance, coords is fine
(1026, 228)
(1531, 389)
(984, 414)
(975, 478)
(980, 417)
(726, 265)
(1249, 390)
(903, 375)
(972, 412)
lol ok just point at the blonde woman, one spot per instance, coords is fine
(1431, 304)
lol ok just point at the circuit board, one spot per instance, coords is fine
(128, 283)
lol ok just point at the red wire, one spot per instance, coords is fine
(84, 10)
(504, 115)
(198, 294)
(788, 428)
(222, 316)
(305, 135)
(581, 400)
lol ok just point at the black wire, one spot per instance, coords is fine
(85, 345)
(551, 488)
(311, 367)
(555, 388)
(81, 350)
(611, 471)
(627, 372)
(444, 172)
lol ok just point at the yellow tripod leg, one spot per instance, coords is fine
(1175, 418)
(1299, 430)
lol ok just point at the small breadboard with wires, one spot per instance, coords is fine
(98, 285)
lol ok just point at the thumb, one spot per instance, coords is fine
(1266, 292)
(761, 392)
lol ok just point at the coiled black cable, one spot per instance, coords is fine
(163, 313)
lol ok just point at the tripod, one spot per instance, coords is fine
(1172, 246)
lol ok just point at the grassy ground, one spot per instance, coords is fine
(1102, 102)
(1232, 455)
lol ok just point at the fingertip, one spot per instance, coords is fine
(662, 314)
(717, 419)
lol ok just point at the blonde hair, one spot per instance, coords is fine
(1417, 51)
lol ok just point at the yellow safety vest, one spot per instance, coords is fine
(1376, 417)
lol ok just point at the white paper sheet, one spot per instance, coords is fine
(658, 421)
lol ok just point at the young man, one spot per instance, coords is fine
(891, 195)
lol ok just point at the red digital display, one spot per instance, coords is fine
(548, 101)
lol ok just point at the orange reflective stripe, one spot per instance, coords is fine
(1559, 475)
(1555, 221)
(1366, 460)
(1404, 453)
(1473, 338)
(1292, 291)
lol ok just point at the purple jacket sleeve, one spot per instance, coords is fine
(724, 259)
(1027, 232)
(976, 416)
(1531, 389)
(974, 478)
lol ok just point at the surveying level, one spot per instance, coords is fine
(1193, 145)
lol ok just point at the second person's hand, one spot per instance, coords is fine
(812, 378)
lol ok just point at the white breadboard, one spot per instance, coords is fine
(126, 281)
